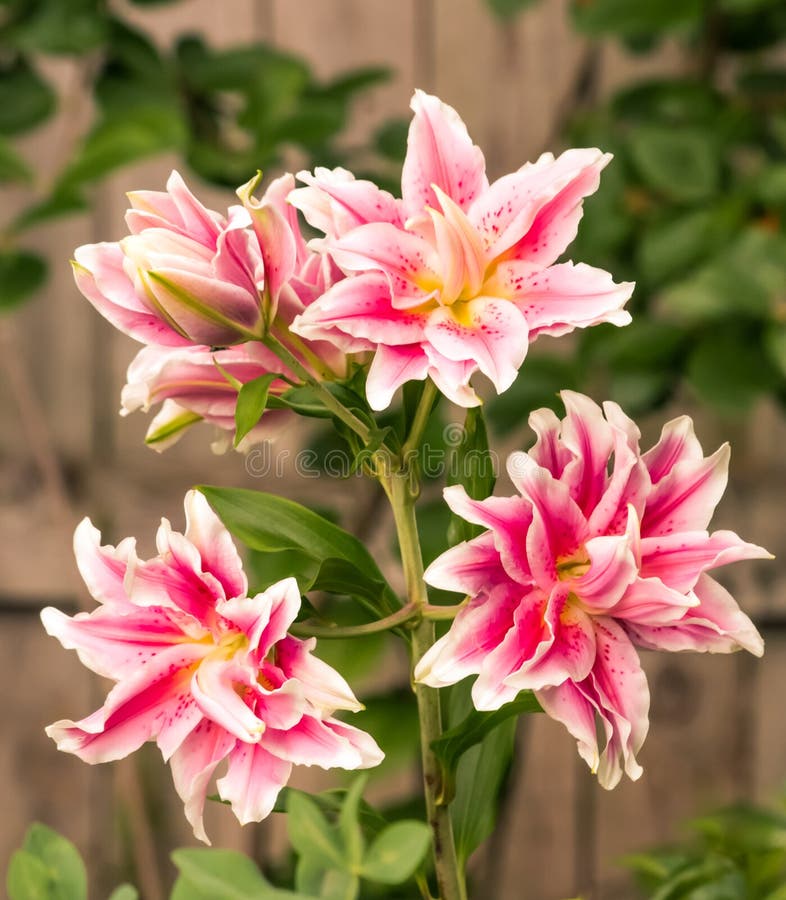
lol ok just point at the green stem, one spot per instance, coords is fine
(338, 409)
(402, 499)
(422, 413)
(400, 617)
(440, 613)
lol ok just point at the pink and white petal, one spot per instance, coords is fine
(509, 518)
(627, 488)
(467, 568)
(111, 642)
(409, 262)
(285, 603)
(679, 559)
(685, 499)
(205, 308)
(624, 698)
(568, 655)
(527, 639)
(197, 220)
(505, 213)
(678, 443)
(390, 368)
(568, 704)
(452, 377)
(566, 296)
(648, 601)
(334, 201)
(217, 550)
(134, 710)
(558, 526)
(99, 275)
(556, 223)
(366, 747)
(491, 333)
(613, 568)
(478, 629)
(439, 152)
(715, 625)
(361, 307)
(590, 439)
(221, 689)
(248, 616)
(322, 685)
(193, 765)
(548, 450)
(253, 782)
(459, 249)
(312, 743)
(276, 239)
(105, 570)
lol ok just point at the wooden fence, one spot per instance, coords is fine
(717, 724)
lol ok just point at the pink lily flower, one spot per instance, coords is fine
(459, 275)
(603, 550)
(186, 274)
(196, 384)
(203, 669)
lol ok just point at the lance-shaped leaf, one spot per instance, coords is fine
(251, 404)
(47, 866)
(471, 730)
(270, 523)
(312, 835)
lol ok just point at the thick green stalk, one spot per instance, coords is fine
(399, 489)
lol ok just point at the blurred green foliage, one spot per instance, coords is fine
(225, 112)
(738, 853)
(692, 209)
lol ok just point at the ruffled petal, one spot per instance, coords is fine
(253, 782)
(439, 152)
(390, 368)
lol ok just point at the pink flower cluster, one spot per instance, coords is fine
(603, 550)
(203, 669)
(458, 276)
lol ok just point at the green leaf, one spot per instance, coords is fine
(312, 835)
(626, 19)
(26, 100)
(12, 166)
(392, 718)
(124, 892)
(396, 852)
(21, 275)
(338, 885)
(67, 26)
(251, 404)
(348, 824)
(214, 874)
(270, 523)
(48, 867)
(682, 164)
(455, 742)
(28, 878)
(117, 142)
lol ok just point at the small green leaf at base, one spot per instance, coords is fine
(251, 404)
(397, 852)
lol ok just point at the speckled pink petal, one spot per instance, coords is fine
(439, 152)
(685, 499)
(193, 765)
(490, 333)
(390, 368)
(253, 782)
